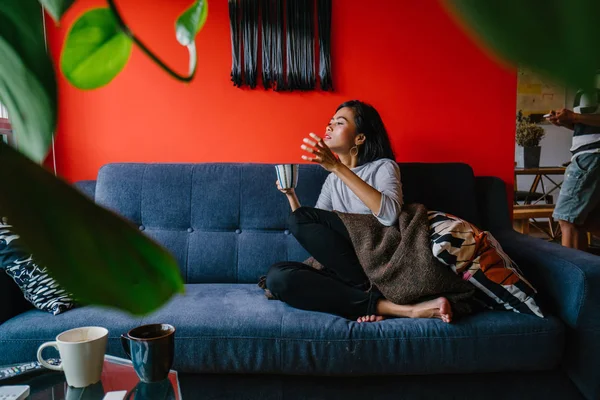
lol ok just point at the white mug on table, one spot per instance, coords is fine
(81, 353)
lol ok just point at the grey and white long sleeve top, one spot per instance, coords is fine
(383, 175)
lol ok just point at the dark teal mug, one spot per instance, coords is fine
(150, 348)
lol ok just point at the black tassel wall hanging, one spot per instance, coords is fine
(277, 71)
(266, 44)
(324, 21)
(300, 46)
(236, 48)
(250, 34)
(287, 38)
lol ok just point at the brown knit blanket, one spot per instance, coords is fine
(398, 260)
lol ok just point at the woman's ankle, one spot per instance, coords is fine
(387, 308)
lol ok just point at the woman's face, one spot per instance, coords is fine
(341, 130)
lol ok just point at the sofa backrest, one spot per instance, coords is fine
(226, 222)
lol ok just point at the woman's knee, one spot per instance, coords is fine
(278, 279)
(300, 216)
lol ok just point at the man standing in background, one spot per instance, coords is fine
(578, 206)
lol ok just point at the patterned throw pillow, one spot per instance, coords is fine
(478, 258)
(39, 288)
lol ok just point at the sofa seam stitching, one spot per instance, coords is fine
(187, 253)
(279, 342)
(333, 340)
(142, 195)
(239, 226)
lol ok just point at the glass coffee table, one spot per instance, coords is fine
(117, 374)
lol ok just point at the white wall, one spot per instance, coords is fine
(555, 149)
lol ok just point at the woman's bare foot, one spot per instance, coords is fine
(437, 308)
(370, 318)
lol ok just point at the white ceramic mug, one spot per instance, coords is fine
(287, 175)
(81, 354)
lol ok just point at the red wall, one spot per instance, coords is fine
(441, 98)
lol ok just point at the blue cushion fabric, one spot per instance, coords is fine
(492, 203)
(447, 187)
(87, 187)
(233, 327)
(223, 222)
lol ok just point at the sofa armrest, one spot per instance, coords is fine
(86, 187)
(6, 311)
(11, 298)
(568, 284)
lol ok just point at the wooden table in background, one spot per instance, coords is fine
(539, 174)
(523, 213)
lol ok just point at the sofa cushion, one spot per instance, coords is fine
(234, 328)
(447, 187)
(223, 222)
(38, 287)
(477, 257)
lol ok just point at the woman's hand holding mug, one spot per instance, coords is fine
(287, 178)
(282, 190)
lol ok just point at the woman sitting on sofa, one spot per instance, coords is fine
(364, 179)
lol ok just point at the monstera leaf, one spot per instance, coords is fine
(27, 82)
(556, 38)
(93, 253)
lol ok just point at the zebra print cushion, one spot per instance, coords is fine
(477, 257)
(39, 288)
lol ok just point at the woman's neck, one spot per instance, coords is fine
(348, 160)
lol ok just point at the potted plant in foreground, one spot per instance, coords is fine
(529, 135)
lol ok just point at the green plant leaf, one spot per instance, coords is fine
(57, 8)
(93, 253)
(558, 39)
(27, 82)
(95, 50)
(190, 22)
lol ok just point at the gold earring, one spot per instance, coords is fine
(355, 147)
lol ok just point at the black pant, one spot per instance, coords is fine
(340, 288)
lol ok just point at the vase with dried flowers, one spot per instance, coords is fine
(529, 135)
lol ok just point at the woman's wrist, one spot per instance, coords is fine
(293, 200)
(338, 167)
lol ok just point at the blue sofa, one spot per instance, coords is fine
(226, 223)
